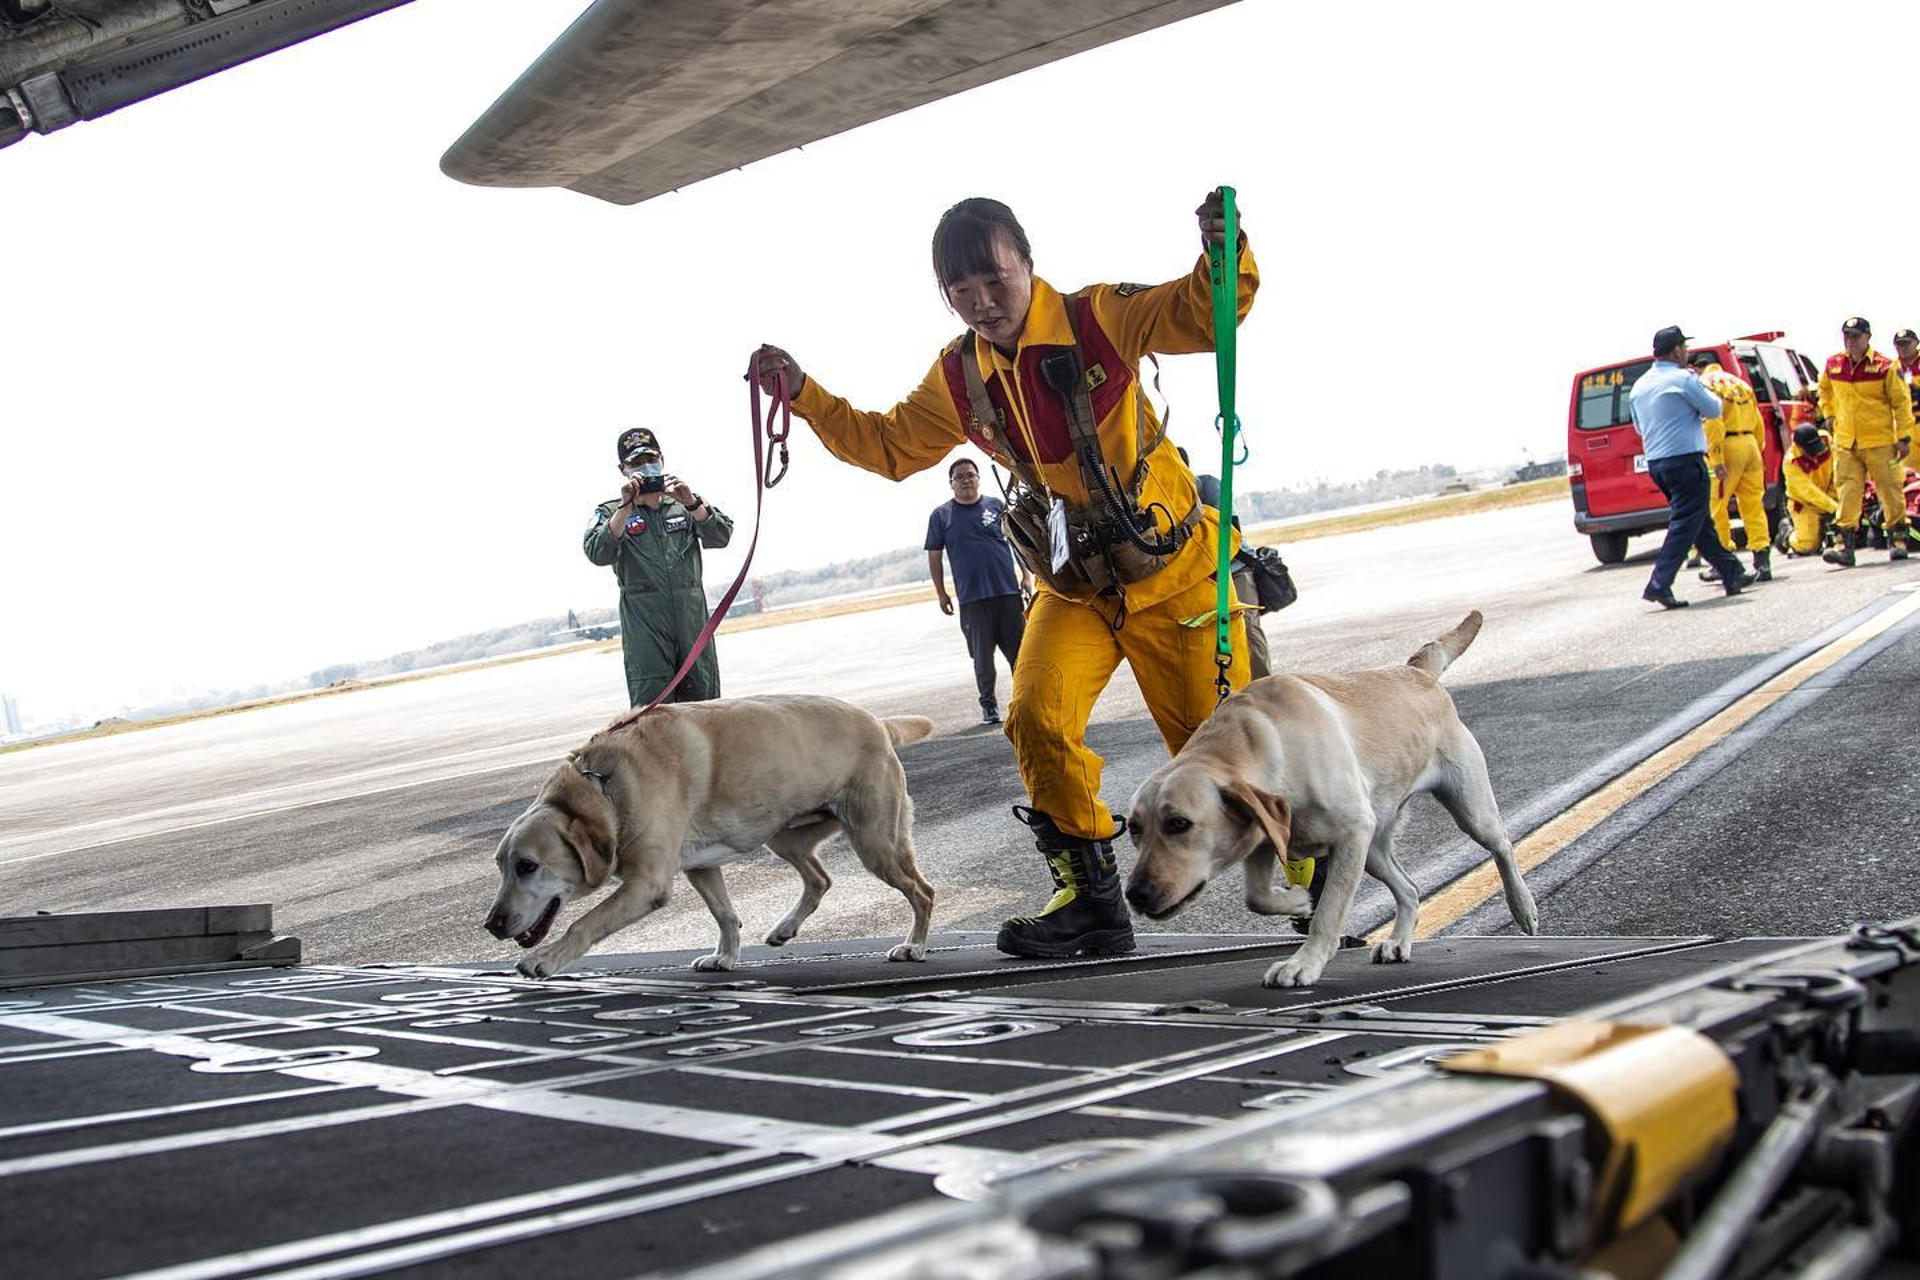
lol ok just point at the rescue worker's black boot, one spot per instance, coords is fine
(1842, 554)
(1087, 912)
(1763, 564)
(1897, 543)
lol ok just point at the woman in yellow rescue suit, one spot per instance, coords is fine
(998, 386)
(1739, 470)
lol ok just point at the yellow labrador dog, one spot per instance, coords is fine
(692, 786)
(1300, 765)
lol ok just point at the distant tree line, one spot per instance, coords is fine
(899, 567)
(908, 564)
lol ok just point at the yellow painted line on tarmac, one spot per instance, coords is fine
(1453, 903)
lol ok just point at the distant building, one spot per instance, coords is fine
(11, 710)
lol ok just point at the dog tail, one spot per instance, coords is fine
(1436, 656)
(904, 729)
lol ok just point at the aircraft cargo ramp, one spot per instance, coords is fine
(825, 1112)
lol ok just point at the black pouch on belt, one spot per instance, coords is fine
(1272, 582)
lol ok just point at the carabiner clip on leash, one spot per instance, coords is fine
(1239, 434)
(776, 439)
(1226, 327)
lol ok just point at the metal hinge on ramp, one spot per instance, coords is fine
(86, 946)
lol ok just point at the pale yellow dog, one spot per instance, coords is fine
(1320, 766)
(690, 787)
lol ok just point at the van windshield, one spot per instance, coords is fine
(1603, 396)
(1783, 376)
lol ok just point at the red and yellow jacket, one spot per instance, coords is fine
(1809, 480)
(1740, 412)
(1119, 324)
(1867, 401)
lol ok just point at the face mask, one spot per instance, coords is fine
(645, 470)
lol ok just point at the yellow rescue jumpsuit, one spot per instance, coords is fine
(1733, 442)
(1072, 647)
(1871, 411)
(1809, 478)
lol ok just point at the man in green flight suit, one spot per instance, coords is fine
(652, 535)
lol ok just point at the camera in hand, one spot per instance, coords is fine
(652, 477)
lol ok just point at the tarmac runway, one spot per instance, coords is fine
(1750, 762)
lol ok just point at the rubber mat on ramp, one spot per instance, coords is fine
(331, 1121)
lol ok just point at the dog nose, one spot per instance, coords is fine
(497, 923)
(1139, 896)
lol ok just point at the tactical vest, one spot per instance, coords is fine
(1102, 559)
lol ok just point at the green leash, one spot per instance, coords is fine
(1226, 327)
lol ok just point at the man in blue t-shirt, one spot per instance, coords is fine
(992, 615)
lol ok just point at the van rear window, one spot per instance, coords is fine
(1603, 396)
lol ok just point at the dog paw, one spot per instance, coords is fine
(907, 951)
(1524, 913)
(1289, 900)
(1291, 973)
(536, 965)
(714, 963)
(781, 936)
(1391, 952)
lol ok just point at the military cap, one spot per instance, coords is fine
(635, 441)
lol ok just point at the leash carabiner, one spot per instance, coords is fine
(776, 438)
(1239, 433)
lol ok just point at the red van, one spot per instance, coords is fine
(1613, 496)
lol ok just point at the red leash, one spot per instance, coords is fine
(764, 435)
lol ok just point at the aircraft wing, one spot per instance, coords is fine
(639, 97)
(74, 60)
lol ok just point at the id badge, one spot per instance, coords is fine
(1057, 533)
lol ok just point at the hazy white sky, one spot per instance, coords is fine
(279, 394)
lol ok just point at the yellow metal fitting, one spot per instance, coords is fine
(1299, 871)
(1662, 1099)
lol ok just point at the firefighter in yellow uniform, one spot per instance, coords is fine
(1808, 472)
(1103, 510)
(1739, 470)
(1863, 394)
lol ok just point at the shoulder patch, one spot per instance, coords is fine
(1128, 290)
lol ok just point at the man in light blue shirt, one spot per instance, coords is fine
(1669, 401)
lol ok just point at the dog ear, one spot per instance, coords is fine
(596, 856)
(586, 823)
(1272, 812)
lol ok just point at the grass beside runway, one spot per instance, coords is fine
(1281, 533)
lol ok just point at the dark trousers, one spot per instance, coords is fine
(996, 622)
(1688, 485)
